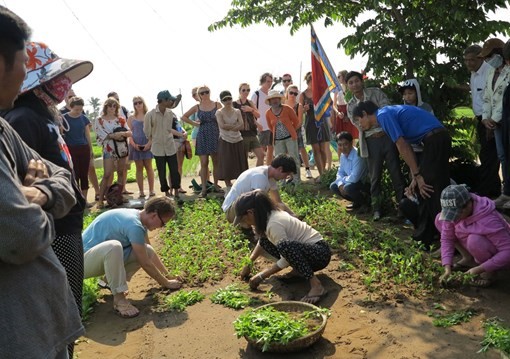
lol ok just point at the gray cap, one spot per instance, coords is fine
(453, 200)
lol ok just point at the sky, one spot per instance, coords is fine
(140, 47)
(145, 46)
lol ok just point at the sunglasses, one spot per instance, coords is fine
(137, 103)
(203, 93)
(163, 224)
(293, 93)
(245, 90)
(225, 99)
(112, 105)
(287, 80)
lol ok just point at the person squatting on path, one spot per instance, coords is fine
(116, 245)
(289, 241)
(351, 178)
(263, 178)
(39, 316)
(472, 225)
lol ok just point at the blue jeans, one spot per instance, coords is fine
(353, 192)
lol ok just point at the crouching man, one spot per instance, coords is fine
(351, 179)
(116, 245)
(472, 225)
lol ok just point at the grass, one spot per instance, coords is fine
(189, 167)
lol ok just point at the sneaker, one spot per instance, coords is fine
(377, 216)
(502, 200)
(309, 173)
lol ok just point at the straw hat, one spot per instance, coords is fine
(273, 94)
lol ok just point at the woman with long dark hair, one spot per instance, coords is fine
(290, 241)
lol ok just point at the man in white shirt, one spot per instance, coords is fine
(263, 178)
(259, 99)
(490, 183)
(351, 179)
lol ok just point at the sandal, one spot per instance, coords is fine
(96, 197)
(125, 310)
(314, 299)
(152, 194)
(216, 189)
(182, 191)
(481, 282)
(127, 192)
(202, 195)
(142, 195)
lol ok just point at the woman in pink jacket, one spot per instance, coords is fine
(472, 225)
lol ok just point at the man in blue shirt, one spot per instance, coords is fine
(406, 125)
(116, 245)
(350, 179)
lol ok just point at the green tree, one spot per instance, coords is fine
(96, 107)
(402, 39)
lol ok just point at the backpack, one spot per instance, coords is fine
(113, 195)
(121, 147)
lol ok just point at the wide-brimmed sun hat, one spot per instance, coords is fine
(44, 65)
(273, 94)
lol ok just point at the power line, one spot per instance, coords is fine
(99, 46)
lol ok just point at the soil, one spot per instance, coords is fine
(392, 324)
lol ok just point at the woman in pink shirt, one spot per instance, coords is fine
(472, 225)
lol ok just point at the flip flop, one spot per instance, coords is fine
(481, 282)
(103, 285)
(314, 299)
(122, 308)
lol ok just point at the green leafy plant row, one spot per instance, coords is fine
(378, 253)
(201, 245)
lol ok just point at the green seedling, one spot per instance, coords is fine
(91, 294)
(231, 297)
(451, 319)
(496, 336)
(181, 299)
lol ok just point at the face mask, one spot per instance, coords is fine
(495, 61)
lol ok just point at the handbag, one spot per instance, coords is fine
(186, 148)
(121, 147)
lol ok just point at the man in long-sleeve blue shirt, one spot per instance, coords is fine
(350, 180)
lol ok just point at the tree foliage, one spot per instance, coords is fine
(401, 39)
(95, 103)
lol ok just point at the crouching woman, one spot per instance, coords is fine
(472, 225)
(290, 241)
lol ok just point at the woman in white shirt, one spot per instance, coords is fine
(290, 241)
